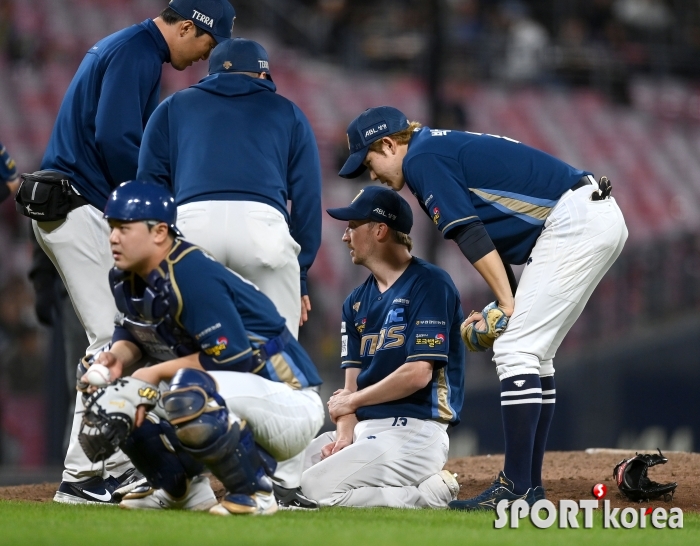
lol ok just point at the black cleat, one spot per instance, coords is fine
(293, 499)
(500, 489)
(94, 490)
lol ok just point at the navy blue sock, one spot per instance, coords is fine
(521, 402)
(548, 398)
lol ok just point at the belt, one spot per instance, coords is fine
(270, 348)
(584, 181)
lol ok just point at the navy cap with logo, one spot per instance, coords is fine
(214, 16)
(370, 125)
(379, 205)
(239, 55)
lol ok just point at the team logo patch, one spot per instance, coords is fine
(218, 348)
(148, 393)
(360, 326)
(436, 215)
(227, 64)
(519, 382)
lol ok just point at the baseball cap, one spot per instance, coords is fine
(380, 205)
(370, 125)
(214, 16)
(239, 55)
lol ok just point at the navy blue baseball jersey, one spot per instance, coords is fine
(461, 177)
(100, 124)
(417, 318)
(214, 311)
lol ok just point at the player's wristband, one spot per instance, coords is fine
(473, 241)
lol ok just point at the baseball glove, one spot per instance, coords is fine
(633, 482)
(109, 415)
(480, 340)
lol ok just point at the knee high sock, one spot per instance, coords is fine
(521, 402)
(548, 399)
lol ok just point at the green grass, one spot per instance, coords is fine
(52, 524)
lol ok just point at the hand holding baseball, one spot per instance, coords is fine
(97, 376)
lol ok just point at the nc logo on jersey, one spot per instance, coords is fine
(217, 349)
(394, 315)
(436, 215)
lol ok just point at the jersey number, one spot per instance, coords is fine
(388, 338)
(399, 422)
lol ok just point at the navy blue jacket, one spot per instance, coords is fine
(232, 137)
(100, 124)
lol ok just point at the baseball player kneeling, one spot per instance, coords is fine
(257, 404)
(403, 360)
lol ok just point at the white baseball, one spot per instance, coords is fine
(98, 375)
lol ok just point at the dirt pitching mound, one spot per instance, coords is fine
(567, 475)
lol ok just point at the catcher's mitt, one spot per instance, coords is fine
(479, 340)
(109, 415)
(633, 482)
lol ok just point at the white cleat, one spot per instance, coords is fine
(259, 504)
(199, 497)
(440, 489)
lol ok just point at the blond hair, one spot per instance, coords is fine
(397, 236)
(402, 137)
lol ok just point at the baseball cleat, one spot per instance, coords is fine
(535, 494)
(90, 491)
(238, 504)
(199, 497)
(93, 490)
(293, 499)
(500, 489)
(450, 480)
(133, 481)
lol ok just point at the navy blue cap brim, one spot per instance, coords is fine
(346, 214)
(354, 166)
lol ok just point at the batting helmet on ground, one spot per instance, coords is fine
(135, 201)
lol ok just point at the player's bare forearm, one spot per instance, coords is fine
(120, 355)
(491, 268)
(166, 370)
(404, 381)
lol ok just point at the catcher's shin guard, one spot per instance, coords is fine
(156, 452)
(202, 424)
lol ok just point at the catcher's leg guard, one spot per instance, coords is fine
(156, 452)
(208, 433)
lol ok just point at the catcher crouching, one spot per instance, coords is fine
(242, 394)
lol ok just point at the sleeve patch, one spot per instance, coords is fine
(433, 339)
(344, 346)
(218, 347)
(342, 327)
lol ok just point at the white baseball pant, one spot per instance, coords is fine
(283, 420)
(253, 240)
(79, 248)
(388, 464)
(581, 240)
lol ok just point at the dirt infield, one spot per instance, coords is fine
(567, 475)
